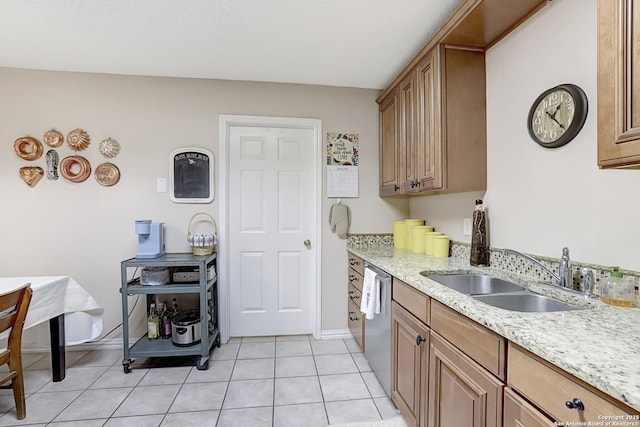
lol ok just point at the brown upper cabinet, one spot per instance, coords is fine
(433, 115)
(618, 83)
(433, 125)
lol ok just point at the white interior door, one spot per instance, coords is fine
(272, 230)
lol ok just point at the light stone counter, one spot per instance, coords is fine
(600, 345)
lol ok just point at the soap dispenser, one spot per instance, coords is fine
(617, 290)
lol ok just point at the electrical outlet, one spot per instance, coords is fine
(466, 226)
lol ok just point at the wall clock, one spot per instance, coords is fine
(557, 115)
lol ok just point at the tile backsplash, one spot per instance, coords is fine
(513, 263)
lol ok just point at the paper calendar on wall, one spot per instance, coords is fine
(342, 164)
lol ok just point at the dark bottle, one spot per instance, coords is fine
(174, 308)
(165, 322)
(479, 244)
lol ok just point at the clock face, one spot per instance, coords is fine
(557, 115)
(553, 116)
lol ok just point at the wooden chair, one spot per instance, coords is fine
(13, 311)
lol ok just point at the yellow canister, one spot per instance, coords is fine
(417, 237)
(409, 224)
(399, 234)
(428, 241)
(441, 246)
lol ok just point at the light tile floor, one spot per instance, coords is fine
(251, 382)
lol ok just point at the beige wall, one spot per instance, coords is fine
(85, 230)
(543, 199)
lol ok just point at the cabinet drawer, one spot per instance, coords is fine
(356, 323)
(518, 413)
(548, 387)
(355, 295)
(356, 279)
(356, 263)
(484, 346)
(413, 300)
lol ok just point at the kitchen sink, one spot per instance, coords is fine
(500, 293)
(526, 301)
(474, 284)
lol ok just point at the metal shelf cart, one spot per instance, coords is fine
(206, 287)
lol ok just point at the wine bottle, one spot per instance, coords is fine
(166, 322)
(153, 323)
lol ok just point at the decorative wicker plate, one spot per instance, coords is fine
(28, 148)
(107, 174)
(53, 138)
(78, 139)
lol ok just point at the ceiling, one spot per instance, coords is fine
(354, 43)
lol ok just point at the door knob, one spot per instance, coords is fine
(307, 243)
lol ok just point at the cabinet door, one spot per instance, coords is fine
(409, 365)
(389, 151)
(408, 148)
(518, 413)
(428, 147)
(618, 83)
(461, 392)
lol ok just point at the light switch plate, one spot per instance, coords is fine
(466, 226)
(161, 185)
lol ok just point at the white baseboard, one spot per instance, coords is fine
(116, 343)
(336, 334)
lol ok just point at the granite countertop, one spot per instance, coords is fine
(600, 345)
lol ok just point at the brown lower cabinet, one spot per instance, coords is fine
(461, 392)
(519, 413)
(409, 361)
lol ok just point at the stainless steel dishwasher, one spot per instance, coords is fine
(377, 333)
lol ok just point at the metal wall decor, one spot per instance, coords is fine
(31, 175)
(107, 174)
(109, 148)
(28, 148)
(78, 139)
(53, 138)
(73, 168)
(52, 165)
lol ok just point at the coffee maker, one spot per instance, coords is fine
(150, 238)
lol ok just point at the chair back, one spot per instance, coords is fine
(13, 310)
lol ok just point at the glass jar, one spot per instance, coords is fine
(617, 290)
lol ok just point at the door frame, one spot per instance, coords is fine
(224, 294)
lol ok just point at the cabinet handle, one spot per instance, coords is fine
(575, 404)
(353, 297)
(420, 340)
(352, 318)
(396, 187)
(352, 278)
(353, 262)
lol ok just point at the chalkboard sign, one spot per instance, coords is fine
(191, 175)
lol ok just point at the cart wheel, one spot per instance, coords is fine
(202, 364)
(127, 367)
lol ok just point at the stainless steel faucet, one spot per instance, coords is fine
(564, 278)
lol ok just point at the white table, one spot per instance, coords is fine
(74, 315)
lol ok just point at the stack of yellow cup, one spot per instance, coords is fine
(417, 237)
(399, 234)
(409, 224)
(428, 241)
(441, 246)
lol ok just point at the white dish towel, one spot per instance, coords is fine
(370, 303)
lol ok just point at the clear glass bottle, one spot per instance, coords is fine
(617, 290)
(153, 323)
